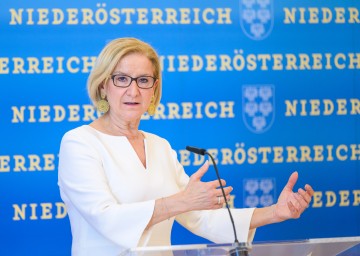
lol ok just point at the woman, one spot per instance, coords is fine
(124, 187)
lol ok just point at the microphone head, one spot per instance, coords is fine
(196, 150)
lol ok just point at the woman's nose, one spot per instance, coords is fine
(133, 88)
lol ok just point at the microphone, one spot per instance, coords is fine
(199, 151)
(240, 249)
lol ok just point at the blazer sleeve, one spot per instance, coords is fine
(215, 225)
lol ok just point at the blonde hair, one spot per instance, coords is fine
(110, 56)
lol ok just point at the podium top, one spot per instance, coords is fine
(313, 247)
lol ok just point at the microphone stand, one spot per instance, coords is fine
(240, 249)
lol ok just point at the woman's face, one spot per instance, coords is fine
(131, 102)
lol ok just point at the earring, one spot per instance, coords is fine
(103, 105)
(151, 110)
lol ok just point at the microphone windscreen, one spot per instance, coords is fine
(196, 150)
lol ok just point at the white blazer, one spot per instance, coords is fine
(110, 196)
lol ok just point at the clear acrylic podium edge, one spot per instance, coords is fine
(315, 247)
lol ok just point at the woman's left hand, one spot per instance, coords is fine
(291, 204)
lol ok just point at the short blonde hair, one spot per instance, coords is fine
(110, 56)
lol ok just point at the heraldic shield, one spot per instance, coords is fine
(258, 107)
(259, 192)
(256, 18)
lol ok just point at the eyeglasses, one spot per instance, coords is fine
(143, 82)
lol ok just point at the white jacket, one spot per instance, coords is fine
(110, 196)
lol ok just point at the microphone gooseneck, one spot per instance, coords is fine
(239, 249)
(223, 193)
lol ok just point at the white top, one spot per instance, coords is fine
(110, 196)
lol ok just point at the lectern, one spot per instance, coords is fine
(341, 246)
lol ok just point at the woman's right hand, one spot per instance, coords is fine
(199, 195)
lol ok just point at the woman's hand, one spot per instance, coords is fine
(291, 204)
(199, 195)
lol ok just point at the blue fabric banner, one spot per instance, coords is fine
(268, 87)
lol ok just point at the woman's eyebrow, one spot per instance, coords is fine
(119, 73)
(123, 73)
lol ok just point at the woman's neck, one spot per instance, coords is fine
(111, 126)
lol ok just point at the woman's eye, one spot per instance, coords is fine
(122, 79)
(143, 80)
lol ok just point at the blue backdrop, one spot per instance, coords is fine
(267, 86)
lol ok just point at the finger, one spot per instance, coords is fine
(305, 195)
(227, 191)
(228, 198)
(293, 210)
(216, 183)
(301, 201)
(309, 190)
(202, 170)
(223, 183)
(292, 180)
(218, 200)
(296, 200)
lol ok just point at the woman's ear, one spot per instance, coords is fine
(102, 87)
(156, 83)
(102, 91)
